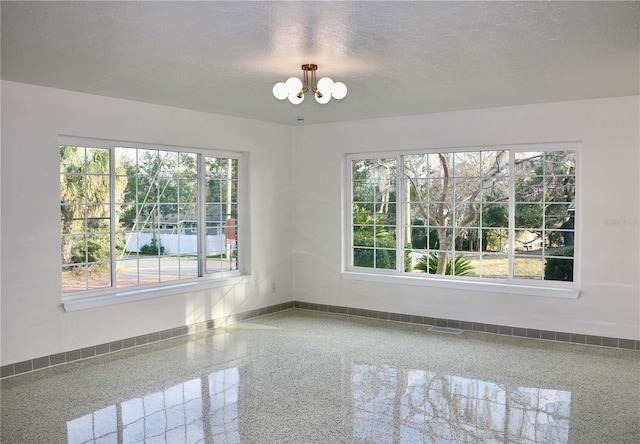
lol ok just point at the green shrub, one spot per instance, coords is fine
(557, 269)
(458, 266)
(96, 250)
(152, 248)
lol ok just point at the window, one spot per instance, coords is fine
(503, 215)
(134, 216)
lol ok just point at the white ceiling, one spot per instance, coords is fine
(397, 58)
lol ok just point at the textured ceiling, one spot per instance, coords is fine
(397, 58)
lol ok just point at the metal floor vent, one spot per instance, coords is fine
(450, 330)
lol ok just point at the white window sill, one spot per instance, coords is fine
(133, 294)
(546, 289)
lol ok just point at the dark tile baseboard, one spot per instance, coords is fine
(602, 341)
(89, 352)
(111, 347)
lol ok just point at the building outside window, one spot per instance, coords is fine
(502, 214)
(137, 216)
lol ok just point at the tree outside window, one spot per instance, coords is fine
(491, 213)
(132, 216)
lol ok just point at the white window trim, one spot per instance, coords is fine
(536, 288)
(134, 294)
(467, 284)
(83, 300)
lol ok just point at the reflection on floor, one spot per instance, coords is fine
(302, 377)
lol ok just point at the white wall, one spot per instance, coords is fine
(300, 249)
(609, 304)
(33, 322)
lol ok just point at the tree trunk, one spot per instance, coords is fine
(66, 244)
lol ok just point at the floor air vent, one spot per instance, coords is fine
(450, 330)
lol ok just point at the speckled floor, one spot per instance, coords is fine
(302, 377)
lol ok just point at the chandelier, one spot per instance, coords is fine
(294, 89)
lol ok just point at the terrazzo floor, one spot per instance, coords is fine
(304, 377)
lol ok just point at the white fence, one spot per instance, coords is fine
(176, 243)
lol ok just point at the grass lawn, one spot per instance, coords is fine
(498, 266)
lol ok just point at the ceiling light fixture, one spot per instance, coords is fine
(323, 89)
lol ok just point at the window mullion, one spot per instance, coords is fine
(511, 215)
(401, 217)
(202, 215)
(112, 216)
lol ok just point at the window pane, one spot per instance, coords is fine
(188, 266)
(149, 267)
(558, 239)
(495, 190)
(363, 257)
(559, 216)
(467, 239)
(468, 190)
(466, 265)
(216, 213)
(98, 247)
(188, 190)
(385, 236)
(74, 249)
(72, 186)
(127, 271)
(418, 235)
(169, 268)
(529, 215)
(467, 164)
(386, 259)
(74, 278)
(440, 164)
(494, 163)
(495, 215)
(188, 165)
(495, 240)
(437, 190)
(363, 236)
(223, 258)
(362, 191)
(97, 189)
(466, 215)
(99, 276)
(559, 267)
(168, 216)
(527, 163)
(530, 189)
(416, 166)
(529, 267)
(559, 163)
(72, 218)
(494, 266)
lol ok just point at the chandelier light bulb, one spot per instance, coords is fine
(325, 86)
(323, 90)
(280, 91)
(296, 98)
(294, 85)
(322, 98)
(339, 90)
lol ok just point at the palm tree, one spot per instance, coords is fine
(84, 192)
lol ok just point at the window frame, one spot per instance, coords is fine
(510, 285)
(92, 298)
